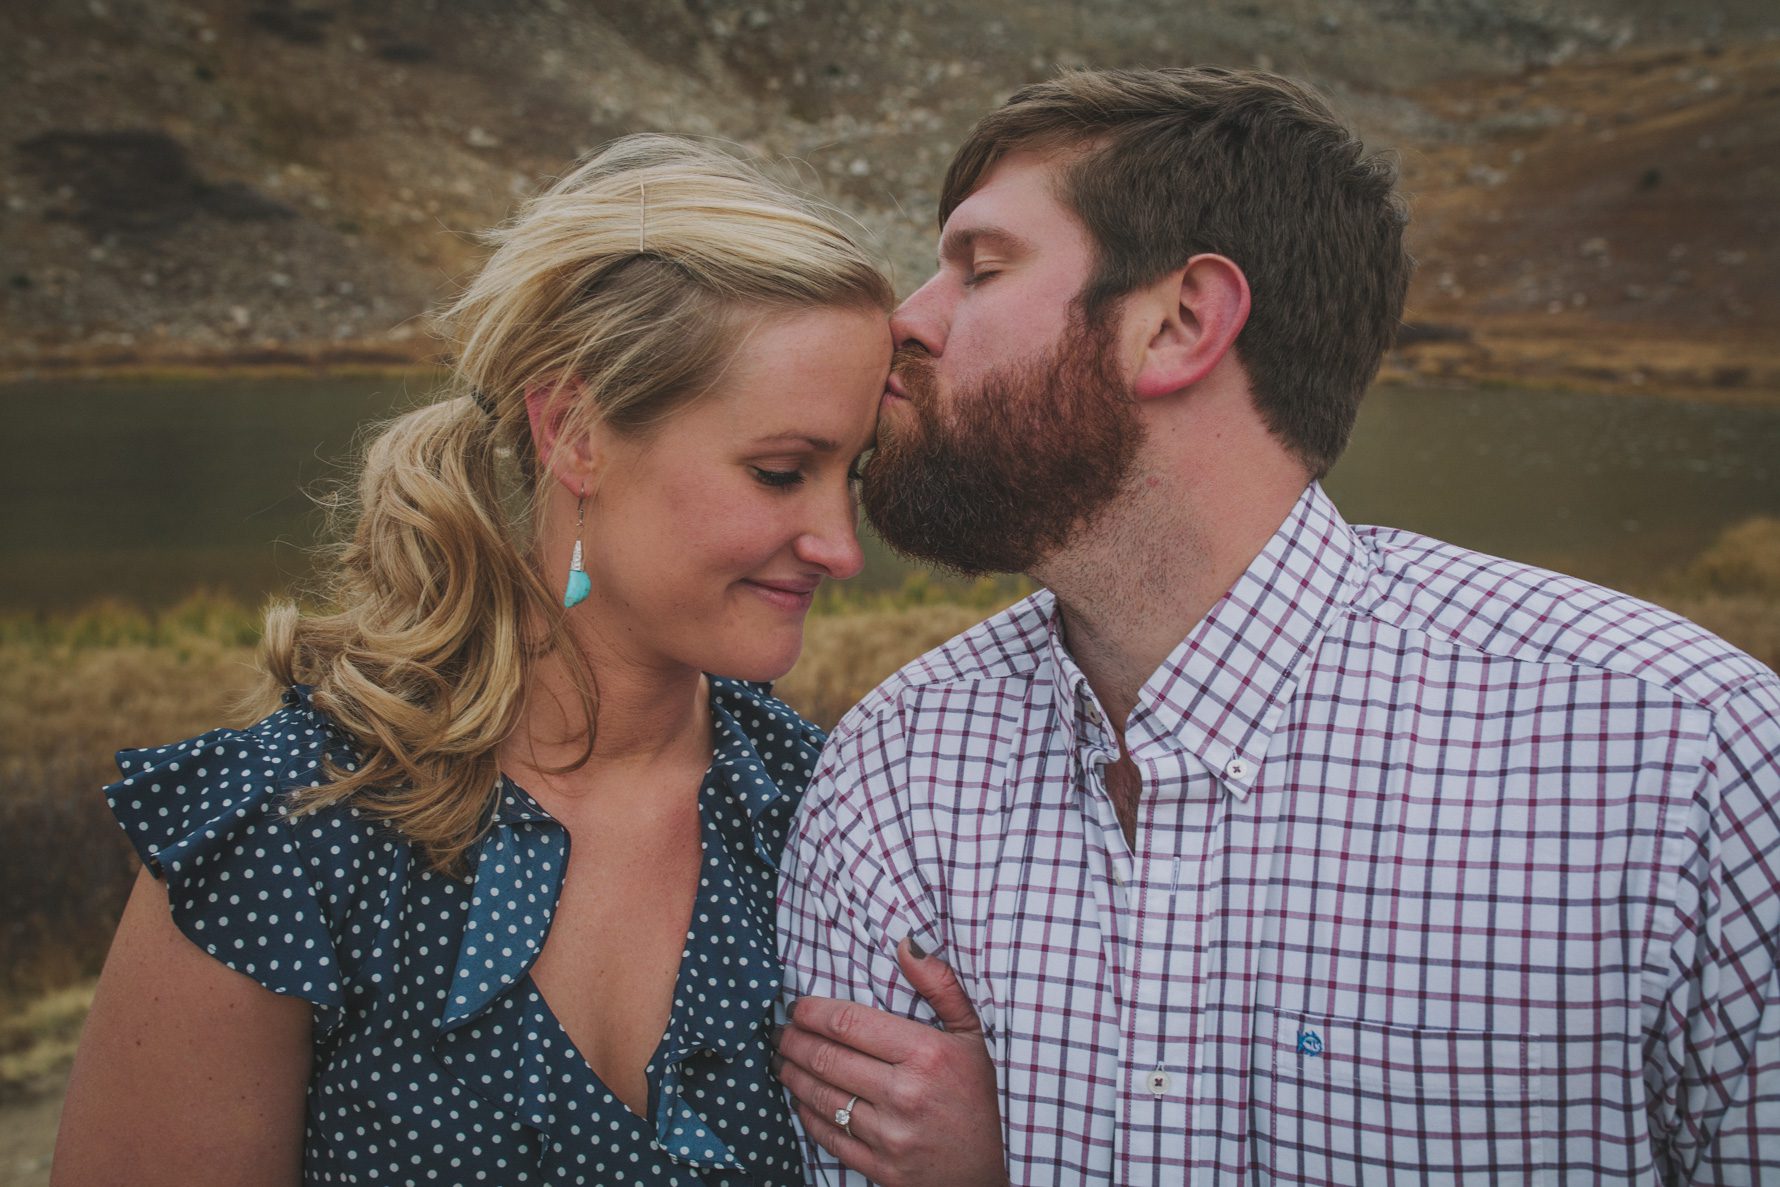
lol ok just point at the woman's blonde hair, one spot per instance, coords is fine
(637, 275)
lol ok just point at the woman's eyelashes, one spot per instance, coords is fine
(778, 479)
(796, 475)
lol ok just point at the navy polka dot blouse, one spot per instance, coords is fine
(436, 1059)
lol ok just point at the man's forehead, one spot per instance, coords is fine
(1017, 203)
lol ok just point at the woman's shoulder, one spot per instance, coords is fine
(170, 797)
(257, 884)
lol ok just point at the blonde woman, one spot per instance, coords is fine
(488, 896)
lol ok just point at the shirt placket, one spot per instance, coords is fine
(1157, 885)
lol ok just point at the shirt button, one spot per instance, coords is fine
(1158, 1082)
(1236, 768)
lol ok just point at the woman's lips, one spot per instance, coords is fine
(786, 595)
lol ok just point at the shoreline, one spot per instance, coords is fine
(1456, 359)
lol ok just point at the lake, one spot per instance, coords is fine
(146, 490)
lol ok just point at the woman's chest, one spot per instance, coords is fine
(611, 962)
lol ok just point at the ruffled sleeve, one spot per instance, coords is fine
(210, 817)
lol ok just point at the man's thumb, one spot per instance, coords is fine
(934, 980)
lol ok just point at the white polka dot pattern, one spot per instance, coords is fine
(436, 1059)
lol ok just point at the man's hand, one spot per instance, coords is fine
(927, 1111)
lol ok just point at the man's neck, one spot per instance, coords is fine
(1152, 565)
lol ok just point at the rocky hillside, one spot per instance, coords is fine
(1596, 182)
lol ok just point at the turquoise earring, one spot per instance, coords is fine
(580, 584)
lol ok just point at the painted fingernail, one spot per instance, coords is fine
(916, 950)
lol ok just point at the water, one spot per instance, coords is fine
(148, 490)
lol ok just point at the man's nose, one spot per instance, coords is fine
(923, 319)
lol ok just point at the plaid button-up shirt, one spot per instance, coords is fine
(1445, 868)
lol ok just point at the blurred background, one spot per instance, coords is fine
(224, 223)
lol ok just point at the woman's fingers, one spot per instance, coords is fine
(881, 1035)
(835, 1063)
(934, 980)
(852, 1152)
(824, 1099)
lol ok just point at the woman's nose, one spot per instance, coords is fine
(832, 544)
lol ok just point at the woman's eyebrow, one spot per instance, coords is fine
(819, 444)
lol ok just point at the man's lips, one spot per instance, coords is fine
(894, 387)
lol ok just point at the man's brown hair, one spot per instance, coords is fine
(1167, 164)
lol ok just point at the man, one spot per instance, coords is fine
(1267, 848)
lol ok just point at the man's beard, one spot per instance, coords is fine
(1006, 473)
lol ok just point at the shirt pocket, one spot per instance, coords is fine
(1362, 1102)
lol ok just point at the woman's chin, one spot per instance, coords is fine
(761, 664)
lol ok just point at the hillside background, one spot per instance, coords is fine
(1596, 183)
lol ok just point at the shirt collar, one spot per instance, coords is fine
(1223, 690)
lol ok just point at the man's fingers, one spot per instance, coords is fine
(934, 980)
(880, 1035)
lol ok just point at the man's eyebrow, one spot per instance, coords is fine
(819, 444)
(958, 244)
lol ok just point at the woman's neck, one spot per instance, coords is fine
(646, 717)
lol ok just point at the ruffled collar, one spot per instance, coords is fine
(497, 1034)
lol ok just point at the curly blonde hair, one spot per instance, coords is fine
(636, 274)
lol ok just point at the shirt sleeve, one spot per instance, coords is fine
(843, 906)
(211, 819)
(1714, 1062)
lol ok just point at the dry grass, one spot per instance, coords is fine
(39, 1040)
(73, 691)
(846, 655)
(1733, 588)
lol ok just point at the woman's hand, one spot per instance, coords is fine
(926, 1109)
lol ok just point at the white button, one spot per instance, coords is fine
(1118, 874)
(1158, 1082)
(1236, 769)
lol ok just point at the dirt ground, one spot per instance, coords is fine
(28, 1134)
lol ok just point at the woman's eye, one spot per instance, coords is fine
(777, 478)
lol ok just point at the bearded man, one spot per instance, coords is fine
(1266, 848)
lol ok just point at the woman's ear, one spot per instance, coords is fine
(1195, 314)
(567, 454)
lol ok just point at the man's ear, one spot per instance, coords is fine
(1194, 315)
(570, 457)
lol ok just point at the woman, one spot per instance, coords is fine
(488, 897)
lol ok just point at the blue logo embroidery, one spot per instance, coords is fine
(1309, 1043)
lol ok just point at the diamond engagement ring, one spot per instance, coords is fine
(843, 1116)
